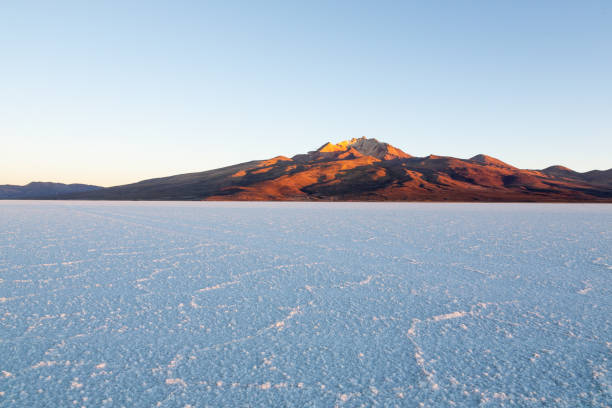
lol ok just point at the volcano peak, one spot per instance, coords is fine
(366, 146)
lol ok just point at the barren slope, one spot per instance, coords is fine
(366, 169)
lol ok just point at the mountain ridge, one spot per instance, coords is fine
(42, 189)
(365, 169)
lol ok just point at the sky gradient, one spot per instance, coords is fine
(114, 92)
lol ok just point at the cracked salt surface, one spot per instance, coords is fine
(302, 304)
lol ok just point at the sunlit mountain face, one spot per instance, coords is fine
(366, 169)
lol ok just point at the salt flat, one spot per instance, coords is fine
(305, 304)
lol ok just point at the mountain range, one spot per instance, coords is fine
(42, 190)
(365, 169)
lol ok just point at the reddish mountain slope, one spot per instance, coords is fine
(366, 169)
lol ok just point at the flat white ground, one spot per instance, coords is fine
(296, 304)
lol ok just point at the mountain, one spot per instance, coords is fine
(42, 190)
(368, 170)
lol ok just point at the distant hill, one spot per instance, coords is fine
(368, 170)
(42, 190)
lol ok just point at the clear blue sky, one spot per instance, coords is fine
(112, 92)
